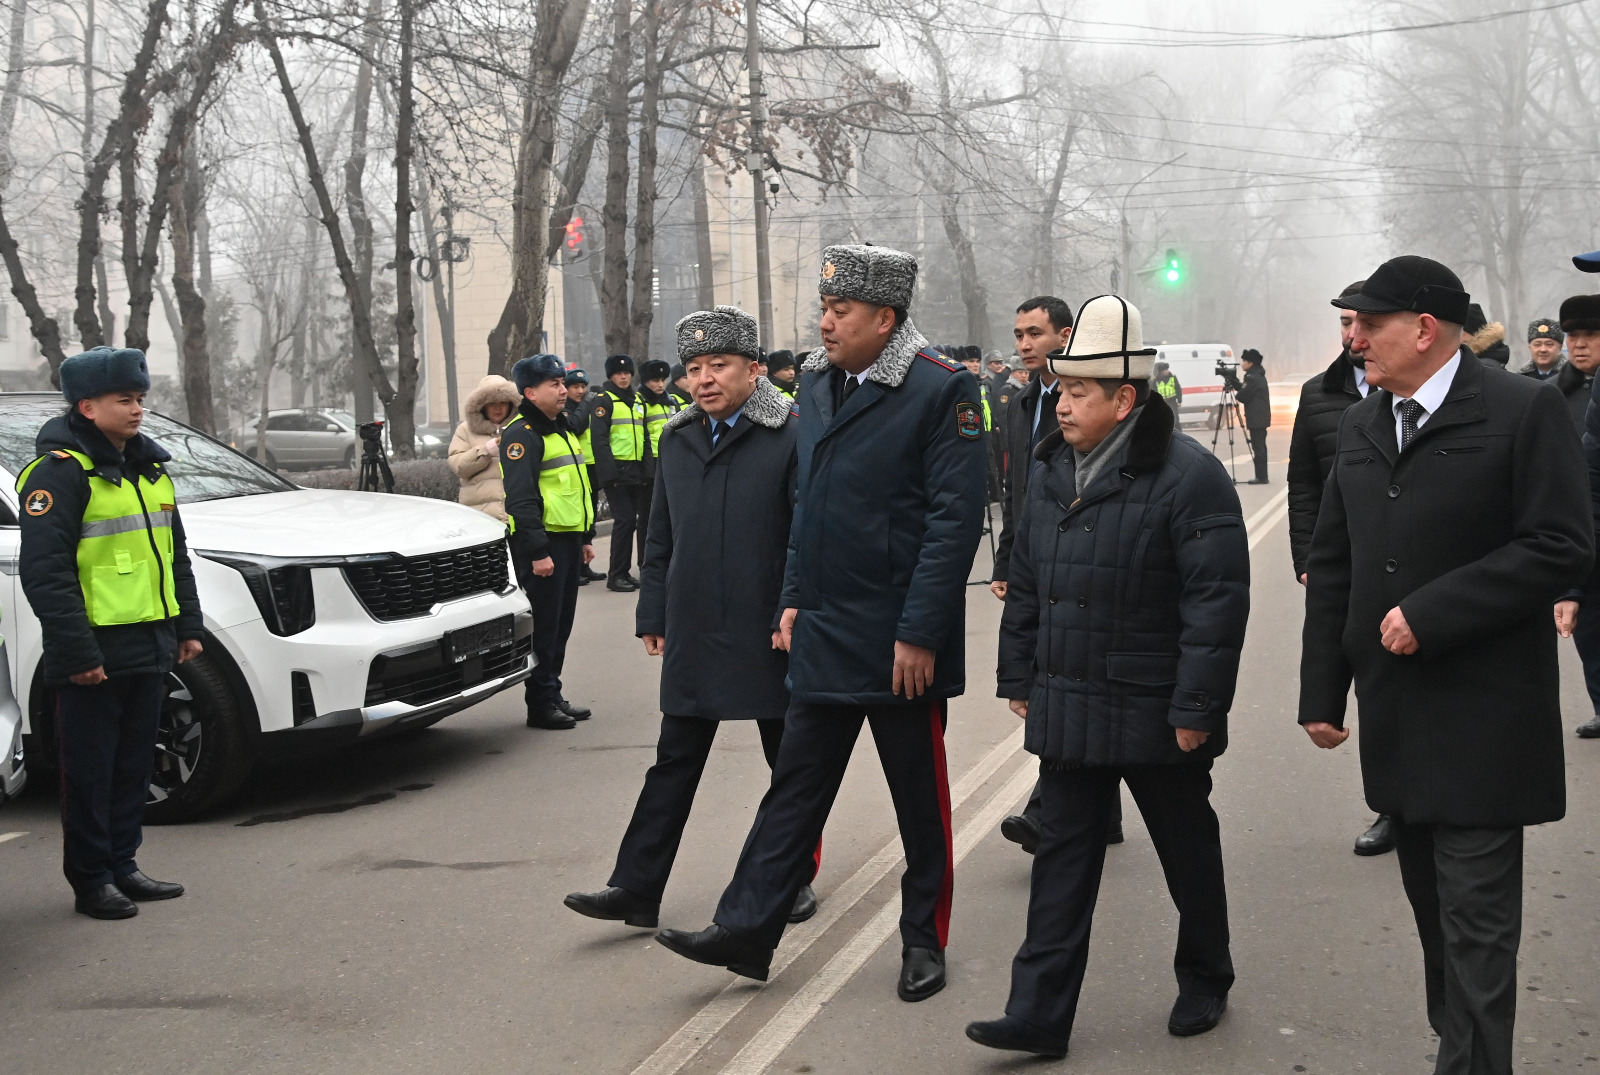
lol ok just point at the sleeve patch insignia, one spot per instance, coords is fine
(599, 412)
(40, 502)
(1005, 399)
(514, 451)
(969, 421)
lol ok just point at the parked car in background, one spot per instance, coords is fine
(330, 615)
(302, 439)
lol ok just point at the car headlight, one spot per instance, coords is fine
(281, 585)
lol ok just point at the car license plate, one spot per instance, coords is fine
(478, 639)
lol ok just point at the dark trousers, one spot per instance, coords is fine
(630, 524)
(644, 861)
(1258, 449)
(777, 855)
(1586, 638)
(1175, 801)
(554, 599)
(1465, 888)
(106, 735)
(1113, 821)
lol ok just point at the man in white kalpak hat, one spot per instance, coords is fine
(1125, 615)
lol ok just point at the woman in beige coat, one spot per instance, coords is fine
(475, 449)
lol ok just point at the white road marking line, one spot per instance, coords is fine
(771, 1040)
(1266, 520)
(4, 836)
(686, 1043)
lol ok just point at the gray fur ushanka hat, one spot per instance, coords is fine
(101, 370)
(874, 274)
(724, 330)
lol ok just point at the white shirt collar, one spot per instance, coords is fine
(1361, 380)
(1431, 394)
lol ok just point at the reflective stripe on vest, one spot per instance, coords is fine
(125, 547)
(564, 485)
(1168, 388)
(627, 428)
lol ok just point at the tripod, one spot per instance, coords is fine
(374, 464)
(1225, 417)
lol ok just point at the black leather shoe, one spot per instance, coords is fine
(583, 580)
(1193, 1015)
(622, 585)
(1377, 840)
(104, 901)
(805, 905)
(576, 712)
(921, 974)
(1256, 481)
(616, 905)
(136, 886)
(591, 574)
(1590, 729)
(1021, 830)
(1017, 1035)
(716, 946)
(551, 718)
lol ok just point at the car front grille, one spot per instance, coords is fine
(425, 676)
(406, 586)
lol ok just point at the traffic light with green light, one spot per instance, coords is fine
(1173, 273)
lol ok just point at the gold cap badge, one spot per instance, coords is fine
(828, 269)
(699, 333)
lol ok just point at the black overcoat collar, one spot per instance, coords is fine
(1463, 405)
(1148, 446)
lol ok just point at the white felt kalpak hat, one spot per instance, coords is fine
(1107, 342)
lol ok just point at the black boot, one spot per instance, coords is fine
(1017, 1035)
(1193, 1015)
(616, 905)
(1590, 729)
(622, 585)
(716, 946)
(576, 712)
(552, 719)
(921, 973)
(136, 886)
(104, 902)
(1377, 840)
(1021, 830)
(805, 905)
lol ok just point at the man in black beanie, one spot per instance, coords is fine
(781, 371)
(1256, 399)
(622, 466)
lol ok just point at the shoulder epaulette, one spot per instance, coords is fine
(939, 361)
(59, 454)
(794, 412)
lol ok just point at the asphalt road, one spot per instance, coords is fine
(398, 908)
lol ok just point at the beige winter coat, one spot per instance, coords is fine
(475, 449)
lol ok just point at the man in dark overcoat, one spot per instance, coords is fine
(1119, 645)
(1580, 321)
(708, 596)
(1454, 517)
(888, 514)
(1312, 445)
(1255, 399)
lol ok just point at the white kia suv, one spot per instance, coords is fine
(329, 615)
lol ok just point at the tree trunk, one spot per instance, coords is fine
(614, 214)
(644, 222)
(557, 26)
(705, 275)
(194, 371)
(402, 410)
(13, 89)
(44, 328)
(121, 138)
(355, 167)
(974, 296)
(443, 299)
(1045, 272)
(364, 348)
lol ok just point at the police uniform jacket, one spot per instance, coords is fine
(712, 574)
(608, 468)
(1312, 445)
(1573, 383)
(1473, 532)
(888, 515)
(48, 565)
(1126, 607)
(521, 454)
(578, 416)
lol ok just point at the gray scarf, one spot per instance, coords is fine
(1091, 463)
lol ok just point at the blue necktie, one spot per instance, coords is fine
(717, 431)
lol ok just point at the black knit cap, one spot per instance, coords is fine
(1581, 313)
(779, 360)
(654, 369)
(616, 364)
(1420, 285)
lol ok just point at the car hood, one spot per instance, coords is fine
(335, 522)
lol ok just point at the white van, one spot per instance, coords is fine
(1195, 367)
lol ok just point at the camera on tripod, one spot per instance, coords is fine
(1229, 372)
(374, 473)
(372, 433)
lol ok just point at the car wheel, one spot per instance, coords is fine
(349, 459)
(202, 747)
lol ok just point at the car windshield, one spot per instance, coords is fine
(201, 468)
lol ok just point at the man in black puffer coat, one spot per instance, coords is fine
(1120, 642)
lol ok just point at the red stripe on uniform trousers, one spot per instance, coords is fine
(941, 776)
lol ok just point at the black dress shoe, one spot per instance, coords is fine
(1590, 729)
(136, 886)
(104, 901)
(616, 905)
(1377, 840)
(591, 574)
(805, 905)
(1256, 481)
(921, 974)
(583, 580)
(622, 585)
(719, 948)
(576, 712)
(1018, 1035)
(1021, 830)
(1193, 1014)
(551, 718)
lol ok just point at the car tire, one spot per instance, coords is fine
(203, 754)
(349, 459)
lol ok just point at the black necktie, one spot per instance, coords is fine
(1047, 399)
(851, 383)
(717, 431)
(1410, 412)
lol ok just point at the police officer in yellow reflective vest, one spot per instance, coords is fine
(660, 403)
(105, 568)
(622, 466)
(550, 514)
(577, 408)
